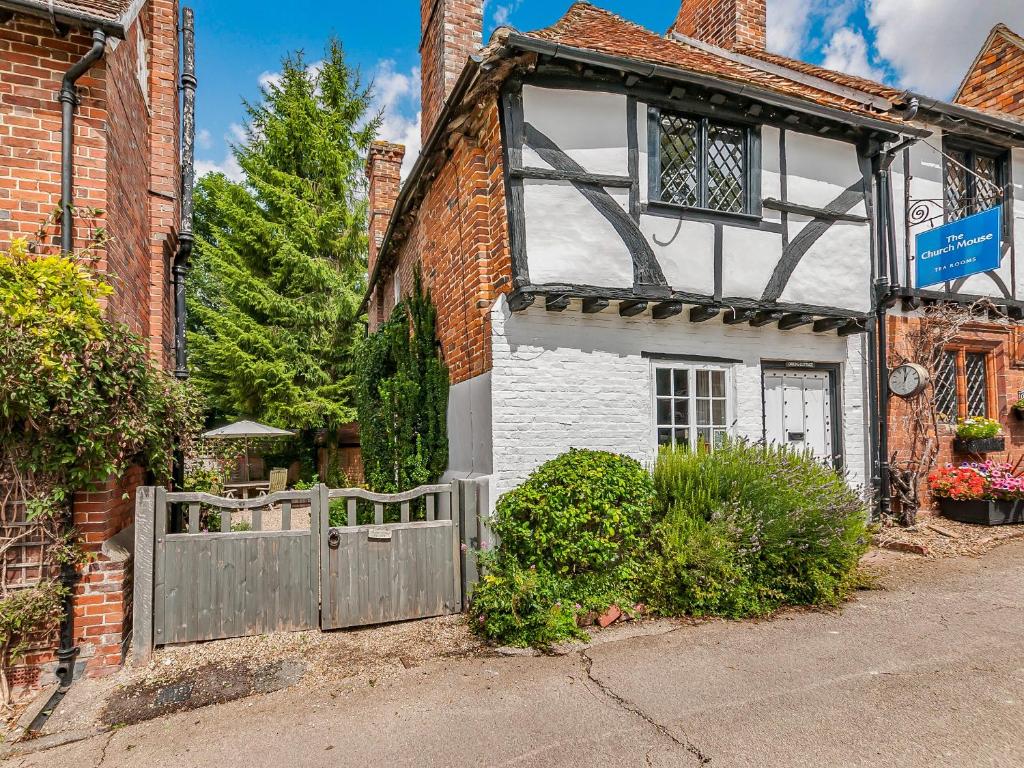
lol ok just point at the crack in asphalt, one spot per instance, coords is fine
(628, 706)
(103, 749)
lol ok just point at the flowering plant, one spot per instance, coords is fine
(1019, 405)
(978, 428)
(977, 480)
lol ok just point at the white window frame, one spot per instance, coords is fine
(692, 366)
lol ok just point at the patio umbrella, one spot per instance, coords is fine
(246, 431)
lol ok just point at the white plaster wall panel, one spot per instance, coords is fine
(569, 241)
(589, 126)
(749, 257)
(469, 427)
(819, 170)
(685, 250)
(835, 271)
(771, 168)
(572, 380)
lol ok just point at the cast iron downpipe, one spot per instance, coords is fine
(185, 238)
(68, 651)
(68, 101)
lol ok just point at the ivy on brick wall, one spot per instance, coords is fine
(402, 398)
(80, 401)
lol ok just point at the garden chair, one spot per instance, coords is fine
(278, 480)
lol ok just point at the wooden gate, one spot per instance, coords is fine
(383, 571)
(208, 567)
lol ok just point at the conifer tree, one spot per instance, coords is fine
(280, 258)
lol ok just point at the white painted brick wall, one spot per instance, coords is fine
(565, 380)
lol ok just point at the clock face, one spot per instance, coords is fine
(908, 380)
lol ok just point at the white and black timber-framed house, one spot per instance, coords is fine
(638, 239)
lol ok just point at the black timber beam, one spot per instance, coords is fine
(632, 307)
(701, 314)
(518, 301)
(853, 327)
(556, 303)
(794, 320)
(828, 324)
(760, 319)
(666, 309)
(737, 316)
(593, 305)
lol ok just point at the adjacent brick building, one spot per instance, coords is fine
(126, 164)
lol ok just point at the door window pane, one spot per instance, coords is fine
(946, 396)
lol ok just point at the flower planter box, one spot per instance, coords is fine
(983, 512)
(980, 445)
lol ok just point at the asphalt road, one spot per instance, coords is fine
(929, 672)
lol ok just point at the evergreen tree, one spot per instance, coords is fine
(280, 257)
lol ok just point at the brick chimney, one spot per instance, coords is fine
(732, 24)
(451, 31)
(384, 172)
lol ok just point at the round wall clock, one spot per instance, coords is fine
(908, 380)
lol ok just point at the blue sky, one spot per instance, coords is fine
(922, 44)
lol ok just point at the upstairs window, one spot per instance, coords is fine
(698, 162)
(975, 180)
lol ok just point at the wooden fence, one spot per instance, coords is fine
(299, 559)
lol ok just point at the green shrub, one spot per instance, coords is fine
(978, 428)
(583, 512)
(795, 527)
(696, 569)
(521, 606)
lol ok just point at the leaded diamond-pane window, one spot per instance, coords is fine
(975, 181)
(977, 384)
(946, 388)
(703, 163)
(680, 164)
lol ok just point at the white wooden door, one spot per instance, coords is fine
(798, 410)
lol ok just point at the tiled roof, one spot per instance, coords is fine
(588, 27)
(112, 15)
(111, 10)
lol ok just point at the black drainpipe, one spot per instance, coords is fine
(69, 100)
(68, 651)
(185, 238)
(179, 268)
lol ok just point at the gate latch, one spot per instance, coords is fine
(334, 539)
(379, 534)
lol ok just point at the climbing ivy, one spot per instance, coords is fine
(402, 398)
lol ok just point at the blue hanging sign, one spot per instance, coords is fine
(960, 248)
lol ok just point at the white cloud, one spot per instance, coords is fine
(203, 139)
(931, 43)
(503, 11)
(268, 79)
(788, 23)
(228, 166)
(398, 95)
(847, 51)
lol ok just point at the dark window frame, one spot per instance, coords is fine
(963, 390)
(972, 150)
(751, 177)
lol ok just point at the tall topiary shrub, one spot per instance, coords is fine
(402, 398)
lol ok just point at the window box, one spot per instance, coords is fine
(983, 512)
(980, 445)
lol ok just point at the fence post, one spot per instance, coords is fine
(142, 580)
(456, 518)
(470, 537)
(319, 512)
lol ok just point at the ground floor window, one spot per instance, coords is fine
(692, 405)
(961, 385)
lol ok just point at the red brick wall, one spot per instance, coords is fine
(725, 23)
(1005, 373)
(460, 237)
(997, 79)
(126, 163)
(451, 31)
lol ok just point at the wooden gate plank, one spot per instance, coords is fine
(159, 598)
